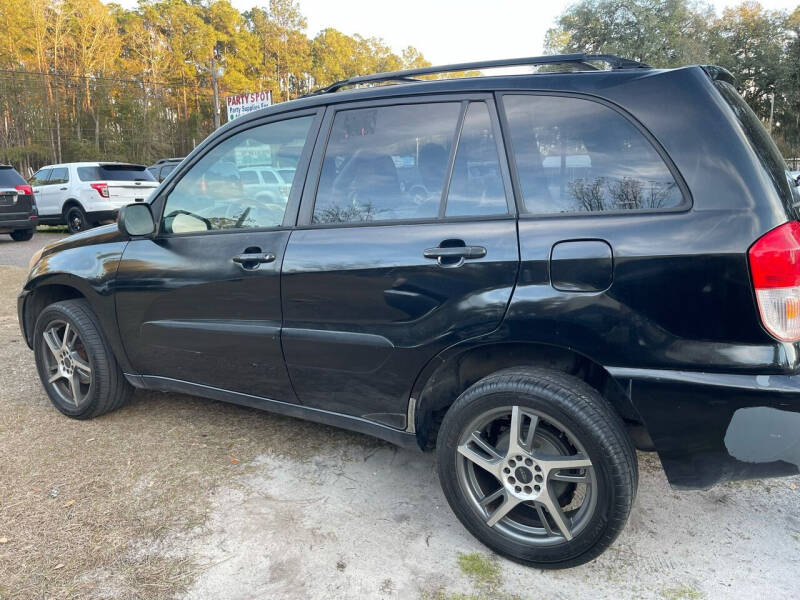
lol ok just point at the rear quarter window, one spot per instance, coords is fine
(575, 156)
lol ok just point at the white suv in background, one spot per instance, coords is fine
(82, 195)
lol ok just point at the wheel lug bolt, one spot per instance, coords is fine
(518, 489)
(537, 488)
(528, 462)
(506, 470)
(528, 489)
(511, 480)
(519, 458)
(538, 468)
(538, 479)
(511, 463)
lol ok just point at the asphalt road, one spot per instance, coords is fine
(17, 254)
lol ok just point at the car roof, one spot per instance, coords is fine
(592, 82)
(94, 163)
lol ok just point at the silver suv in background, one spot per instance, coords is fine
(82, 195)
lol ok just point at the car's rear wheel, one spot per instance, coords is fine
(75, 363)
(76, 219)
(22, 235)
(537, 466)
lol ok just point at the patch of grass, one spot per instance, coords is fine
(683, 592)
(482, 570)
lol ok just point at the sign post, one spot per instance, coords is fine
(244, 103)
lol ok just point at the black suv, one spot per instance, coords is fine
(161, 168)
(18, 215)
(531, 274)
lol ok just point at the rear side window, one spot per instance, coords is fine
(574, 155)
(9, 178)
(476, 187)
(58, 175)
(115, 173)
(386, 163)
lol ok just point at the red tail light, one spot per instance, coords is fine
(102, 189)
(775, 268)
(24, 188)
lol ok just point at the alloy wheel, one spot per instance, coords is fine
(527, 476)
(67, 363)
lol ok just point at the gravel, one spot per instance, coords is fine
(179, 497)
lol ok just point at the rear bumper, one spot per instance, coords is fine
(16, 223)
(709, 428)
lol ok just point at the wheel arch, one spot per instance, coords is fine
(448, 375)
(69, 203)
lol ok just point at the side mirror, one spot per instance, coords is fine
(136, 220)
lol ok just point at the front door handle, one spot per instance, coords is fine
(63, 189)
(454, 256)
(252, 260)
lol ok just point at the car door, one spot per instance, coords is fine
(45, 200)
(406, 243)
(200, 301)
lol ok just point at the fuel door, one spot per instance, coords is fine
(581, 266)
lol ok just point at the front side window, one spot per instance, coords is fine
(386, 163)
(574, 155)
(220, 192)
(40, 177)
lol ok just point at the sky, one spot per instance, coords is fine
(449, 31)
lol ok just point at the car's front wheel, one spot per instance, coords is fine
(75, 363)
(538, 466)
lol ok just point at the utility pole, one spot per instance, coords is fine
(771, 111)
(216, 91)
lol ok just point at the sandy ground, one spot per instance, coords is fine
(178, 497)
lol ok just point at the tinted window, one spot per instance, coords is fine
(212, 194)
(166, 171)
(249, 177)
(761, 142)
(58, 175)
(9, 178)
(115, 173)
(40, 177)
(576, 155)
(476, 187)
(269, 177)
(386, 163)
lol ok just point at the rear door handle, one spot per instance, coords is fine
(62, 189)
(456, 252)
(252, 260)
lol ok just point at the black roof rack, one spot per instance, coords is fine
(408, 75)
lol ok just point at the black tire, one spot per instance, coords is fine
(22, 235)
(76, 219)
(107, 388)
(599, 432)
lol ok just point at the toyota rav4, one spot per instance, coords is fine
(532, 275)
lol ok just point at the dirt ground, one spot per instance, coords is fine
(180, 497)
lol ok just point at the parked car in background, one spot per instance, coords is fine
(532, 275)
(18, 215)
(82, 195)
(267, 183)
(796, 176)
(160, 169)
